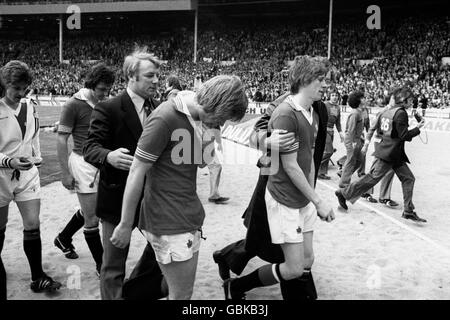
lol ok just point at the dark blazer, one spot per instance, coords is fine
(400, 131)
(258, 240)
(114, 124)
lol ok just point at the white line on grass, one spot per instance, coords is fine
(51, 175)
(380, 213)
(396, 222)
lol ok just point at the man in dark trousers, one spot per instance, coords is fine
(115, 128)
(334, 119)
(258, 242)
(357, 120)
(392, 129)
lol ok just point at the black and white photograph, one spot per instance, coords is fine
(234, 150)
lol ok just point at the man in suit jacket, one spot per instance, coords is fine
(116, 125)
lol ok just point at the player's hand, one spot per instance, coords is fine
(119, 159)
(121, 236)
(421, 123)
(37, 161)
(21, 163)
(280, 140)
(219, 147)
(341, 134)
(69, 182)
(324, 211)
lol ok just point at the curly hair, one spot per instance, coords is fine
(15, 72)
(354, 99)
(99, 73)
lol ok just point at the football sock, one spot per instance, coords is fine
(33, 250)
(265, 276)
(92, 236)
(75, 224)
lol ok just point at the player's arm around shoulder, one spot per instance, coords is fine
(259, 134)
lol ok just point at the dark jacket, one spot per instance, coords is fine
(258, 240)
(114, 124)
(392, 148)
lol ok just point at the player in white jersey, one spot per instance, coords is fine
(19, 158)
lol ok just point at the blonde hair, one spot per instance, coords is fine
(132, 62)
(223, 97)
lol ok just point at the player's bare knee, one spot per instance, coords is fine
(31, 224)
(91, 222)
(293, 271)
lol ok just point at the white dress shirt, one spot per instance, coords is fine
(138, 102)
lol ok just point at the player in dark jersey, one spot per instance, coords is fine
(77, 174)
(292, 204)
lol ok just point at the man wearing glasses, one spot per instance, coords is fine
(392, 129)
(77, 174)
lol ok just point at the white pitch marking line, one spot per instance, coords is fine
(398, 223)
(51, 175)
(382, 214)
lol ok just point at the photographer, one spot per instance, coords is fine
(392, 127)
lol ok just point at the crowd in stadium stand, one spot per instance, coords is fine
(404, 50)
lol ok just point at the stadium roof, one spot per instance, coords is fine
(60, 7)
(224, 7)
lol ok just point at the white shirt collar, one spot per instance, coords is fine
(138, 101)
(16, 111)
(82, 94)
(181, 106)
(309, 115)
(180, 101)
